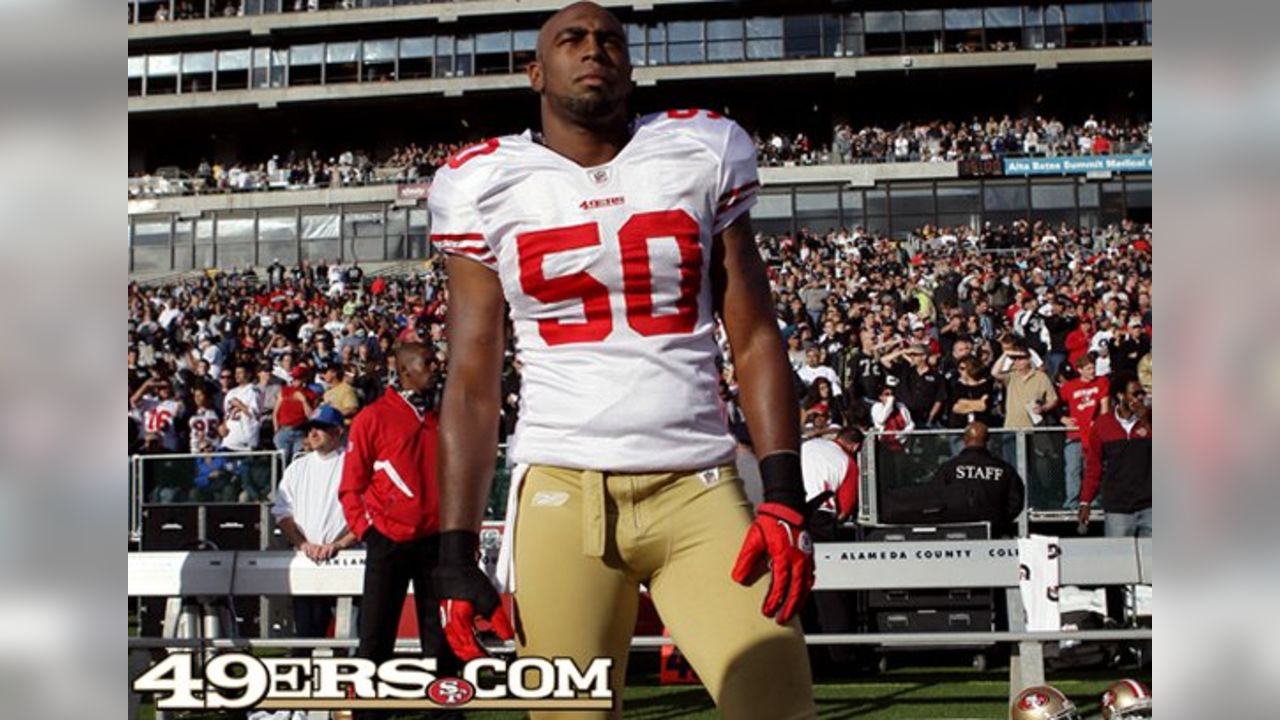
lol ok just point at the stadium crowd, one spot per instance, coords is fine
(931, 141)
(347, 168)
(1000, 324)
(941, 140)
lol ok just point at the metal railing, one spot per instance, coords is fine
(1038, 454)
(906, 459)
(156, 186)
(200, 479)
(240, 477)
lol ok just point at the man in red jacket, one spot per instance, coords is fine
(391, 502)
(1117, 461)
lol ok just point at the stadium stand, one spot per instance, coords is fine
(934, 141)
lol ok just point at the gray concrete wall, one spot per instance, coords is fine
(646, 76)
(440, 12)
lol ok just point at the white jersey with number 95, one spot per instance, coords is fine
(605, 271)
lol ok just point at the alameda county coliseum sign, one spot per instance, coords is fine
(1077, 165)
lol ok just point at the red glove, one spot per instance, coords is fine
(779, 537)
(465, 594)
(458, 617)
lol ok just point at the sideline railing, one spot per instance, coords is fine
(1040, 456)
(221, 478)
(215, 478)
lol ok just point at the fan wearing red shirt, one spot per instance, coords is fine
(1086, 397)
(292, 411)
(1078, 341)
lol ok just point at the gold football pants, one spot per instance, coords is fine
(585, 541)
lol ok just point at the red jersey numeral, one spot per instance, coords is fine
(690, 113)
(157, 420)
(461, 157)
(637, 279)
(533, 248)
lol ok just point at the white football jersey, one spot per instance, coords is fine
(825, 466)
(204, 427)
(158, 416)
(605, 271)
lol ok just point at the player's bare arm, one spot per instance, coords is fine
(468, 443)
(777, 541)
(742, 298)
(470, 409)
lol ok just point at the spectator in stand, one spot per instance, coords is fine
(297, 403)
(822, 391)
(1128, 346)
(1085, 397)
(1029, 397)
(891, 418)
(269, 388)
(815, 421)
(202, 425)
(814, 369)
(920, 386)
(338, 392)
(971, 396)
(157, 412)
(1078, 340)
(307, 510)
(355, 275)
(242, 408)
(1029, 393)
(1059, 321)
(275, 273)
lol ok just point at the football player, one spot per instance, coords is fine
(615, 246)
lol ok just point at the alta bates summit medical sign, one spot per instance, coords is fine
(1077, 165)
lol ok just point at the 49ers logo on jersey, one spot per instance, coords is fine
(601, 202)
(451, 691)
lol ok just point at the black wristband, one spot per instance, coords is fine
(459, 547)
(783, 482)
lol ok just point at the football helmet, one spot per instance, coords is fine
(1043, 702)
(1125, 700)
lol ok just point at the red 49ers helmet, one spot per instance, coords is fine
(1043, 702)
(1125, 700)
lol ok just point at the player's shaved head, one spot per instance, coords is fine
(415, 365)
(412, 354)
(582, 68)
(975, 434)
(570, 14)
